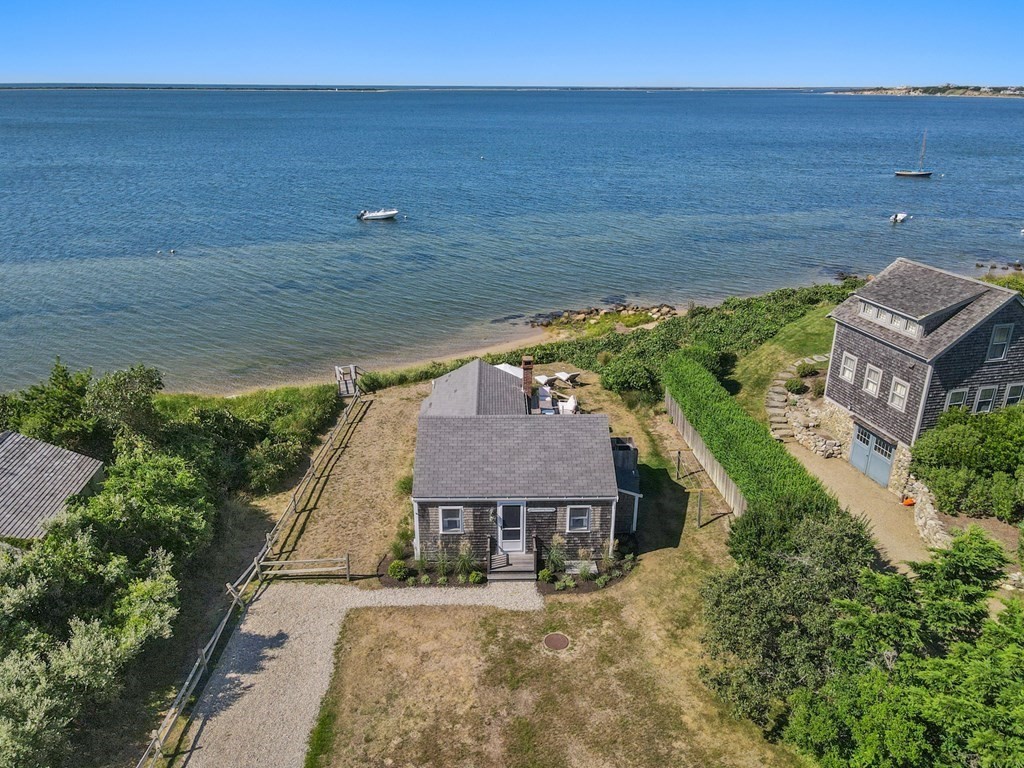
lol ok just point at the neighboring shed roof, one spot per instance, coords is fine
(36, 480)
(514, 457)
(906, 287)
(475, 389)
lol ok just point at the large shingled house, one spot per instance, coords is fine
(492, 471)
(912, 343)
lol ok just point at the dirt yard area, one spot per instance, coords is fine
(358, 507)
(476, 687)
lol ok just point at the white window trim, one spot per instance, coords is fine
(1006, 397)
(949, 397)
(853, 368)
(992, 340)
(977, 398)
(440, 521)
(568, 518)
(864, 385)
(906, 396)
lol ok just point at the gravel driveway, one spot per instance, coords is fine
(264, 696)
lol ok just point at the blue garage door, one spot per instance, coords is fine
(872, 455)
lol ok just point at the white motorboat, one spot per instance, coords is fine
(381, 215)
(898, 218)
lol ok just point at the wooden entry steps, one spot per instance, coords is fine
(511, 566)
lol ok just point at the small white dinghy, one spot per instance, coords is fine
(899, 218)
(381, 215)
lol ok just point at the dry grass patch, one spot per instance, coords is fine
(358, 506)
(475, 687)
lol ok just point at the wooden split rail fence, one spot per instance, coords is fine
(265, 565)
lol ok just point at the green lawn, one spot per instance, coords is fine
(810, 335)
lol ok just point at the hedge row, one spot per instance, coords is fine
(762, 468)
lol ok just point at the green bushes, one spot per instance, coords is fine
(973, 463)
(769, 619)
(795, 386)
(818, 388)
(85, 600)
(803, 370)
(398, 570)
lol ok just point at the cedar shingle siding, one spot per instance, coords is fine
(876, 411)
(964, 365)
(957, 316)
(543, 519)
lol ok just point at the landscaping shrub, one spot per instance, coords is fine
(476, 577)
(425, 579)
(465, 563)
(602, 580)
(629, 562)
(442, 562)
(973, 463)
(556, 554)
(565, 583)
(397, 549)
(818, 388)
(410, 581)
(803, 370)
(547, 576)
(461, 578)
(796, 386)
(398, 570)
(404, 486)
(442, 581)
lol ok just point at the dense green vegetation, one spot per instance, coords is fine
(974, 463)
(83, 601)
(1014, 281)
(633, 361)
(855, 667)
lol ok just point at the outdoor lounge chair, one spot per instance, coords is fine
(568, 378)
(543, 380)
(568, 406)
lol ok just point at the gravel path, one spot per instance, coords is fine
(262, 699)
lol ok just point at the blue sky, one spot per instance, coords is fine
(559, 42)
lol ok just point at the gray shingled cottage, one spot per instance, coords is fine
(912, 343)
(36, 480)
(492, 471)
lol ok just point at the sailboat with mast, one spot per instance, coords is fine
(920, 173)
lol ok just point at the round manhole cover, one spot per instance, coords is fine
(556, 641)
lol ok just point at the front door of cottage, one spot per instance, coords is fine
(511, 526)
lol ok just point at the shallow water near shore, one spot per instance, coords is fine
(516, 203)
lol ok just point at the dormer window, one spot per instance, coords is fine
(1000, 343)
(892, 320)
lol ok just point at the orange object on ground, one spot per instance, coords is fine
(908, 502)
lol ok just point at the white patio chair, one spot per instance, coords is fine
(543, 380)
(568, 378)
(569, 406)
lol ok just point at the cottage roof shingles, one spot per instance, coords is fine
(36, 480)
(514, 457)
(476, 389)
(919, 291)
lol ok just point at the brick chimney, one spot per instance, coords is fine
(528, 376)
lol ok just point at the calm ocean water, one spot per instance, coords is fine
(517, 202)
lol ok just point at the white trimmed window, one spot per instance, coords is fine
(579, 519)
(451, 519)
(898, 394)
(1000, 343)
(985, 400)
(848, 368)
(957, 398)
(1014, 394)
(872, 380)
